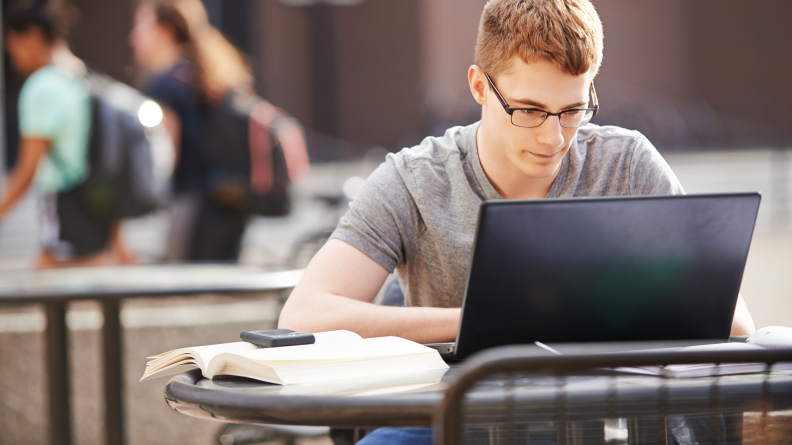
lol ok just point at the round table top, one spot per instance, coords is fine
(412, 399)
(141, 281)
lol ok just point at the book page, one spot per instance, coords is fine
(177, 368)
(200, 355)
(327, 361)
(365, 348)
(207, 352)
(329, 337)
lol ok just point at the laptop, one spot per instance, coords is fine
(649, 268)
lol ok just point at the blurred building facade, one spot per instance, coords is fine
(709, 74)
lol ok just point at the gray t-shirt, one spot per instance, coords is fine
(417, 211)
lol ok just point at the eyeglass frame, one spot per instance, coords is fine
(510, 111)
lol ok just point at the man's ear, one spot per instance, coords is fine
(478, 84)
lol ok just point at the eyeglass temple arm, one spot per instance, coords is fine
(594, 100)
(497, 93)
(506, 107)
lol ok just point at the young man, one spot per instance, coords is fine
(535, 65)
(55, 124)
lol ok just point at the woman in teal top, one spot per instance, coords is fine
(55, 125)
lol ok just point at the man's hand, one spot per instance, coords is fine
(31, 151)
(336, 293)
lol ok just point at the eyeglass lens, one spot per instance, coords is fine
(535, 118)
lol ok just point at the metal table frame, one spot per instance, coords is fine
(246, 401)
(184, 394)
(518, 359)
(57, 352)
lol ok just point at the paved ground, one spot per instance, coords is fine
(153, 326)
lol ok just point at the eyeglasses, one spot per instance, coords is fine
(533, 117)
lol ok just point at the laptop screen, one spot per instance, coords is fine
(606, 269)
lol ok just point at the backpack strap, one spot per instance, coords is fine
(260, 141)
(291, 140)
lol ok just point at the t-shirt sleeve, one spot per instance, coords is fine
(381, 217)
(650, 173)
(41, 111)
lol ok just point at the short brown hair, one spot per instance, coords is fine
(565, 32)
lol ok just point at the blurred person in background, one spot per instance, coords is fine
(55, 123)
(188, 66)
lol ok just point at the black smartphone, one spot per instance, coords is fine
(274, 338)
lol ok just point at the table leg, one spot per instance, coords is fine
(113, 372)
(58, 373)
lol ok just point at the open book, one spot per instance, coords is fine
(335, 355)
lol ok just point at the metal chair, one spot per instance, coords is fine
(511, 395)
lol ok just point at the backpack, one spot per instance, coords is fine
(254, 152)
(122, 181)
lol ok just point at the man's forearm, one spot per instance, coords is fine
(331, 312)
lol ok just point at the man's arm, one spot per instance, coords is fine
(743, 323)
(336, 293)
(31, 151)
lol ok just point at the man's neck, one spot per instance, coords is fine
(504, 176)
